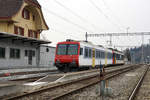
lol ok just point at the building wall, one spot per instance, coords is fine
(17, 20)
(8, 62)
(3, 27)
(47, 55)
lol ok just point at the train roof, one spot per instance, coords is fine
(90, 43)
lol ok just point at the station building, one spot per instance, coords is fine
(21, 23)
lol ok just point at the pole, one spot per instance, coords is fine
(86, 35)
(142, 58)
(110, 40)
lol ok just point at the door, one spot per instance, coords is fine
(93, 58)
(30, 57)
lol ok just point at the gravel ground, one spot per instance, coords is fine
(119, 88)
(144, 90)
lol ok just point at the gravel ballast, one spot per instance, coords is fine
(119, 87)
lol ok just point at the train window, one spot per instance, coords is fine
(86, 52)
(90, 52)
(97, 54)
(81, 51)
(102, 54)
(109, 56)
(72, 49)
(62, 49)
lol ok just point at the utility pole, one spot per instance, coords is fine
(142, 51)
(86, 36)
(127, 29)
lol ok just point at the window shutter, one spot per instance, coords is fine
(28, 14)
(28, 33)
(23, 13)
(15, 29)
(22, 31)
(36, 34)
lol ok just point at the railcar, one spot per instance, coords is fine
(74, 55)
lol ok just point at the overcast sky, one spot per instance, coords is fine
(73, 18)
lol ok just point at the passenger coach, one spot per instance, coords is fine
(72, 55)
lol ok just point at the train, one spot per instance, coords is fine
(74, 55)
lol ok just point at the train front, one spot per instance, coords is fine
(66, 57)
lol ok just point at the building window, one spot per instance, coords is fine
(19, 30)
(26, 53)
(32, 34)
(29, 53)
(26, 14)
(14, 53)
(47, 49)
(33, 53)
(33, 17)
(2, 52)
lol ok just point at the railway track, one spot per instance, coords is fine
(61, 89)
(142, 89)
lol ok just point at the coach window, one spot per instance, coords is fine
(81, 51)
(97, 54)
(2, 52)
(90, 52)
(86, 52)
(102, 54)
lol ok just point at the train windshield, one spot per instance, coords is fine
(67, 49)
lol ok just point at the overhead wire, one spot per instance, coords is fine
(100, 11)
(58, 31)
(75, 14)
(67, 20)
(114, 15)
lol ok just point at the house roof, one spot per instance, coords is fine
(8, 8)
(14, 37)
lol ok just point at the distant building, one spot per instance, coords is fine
(21, 22)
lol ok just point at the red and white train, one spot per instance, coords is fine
(72, 54)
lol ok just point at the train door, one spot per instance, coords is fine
(93, 58)
(114, 58)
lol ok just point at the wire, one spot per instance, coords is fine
(56, 30)
(75, 14)
(108, 8)
(67, 20)
(100, 11)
